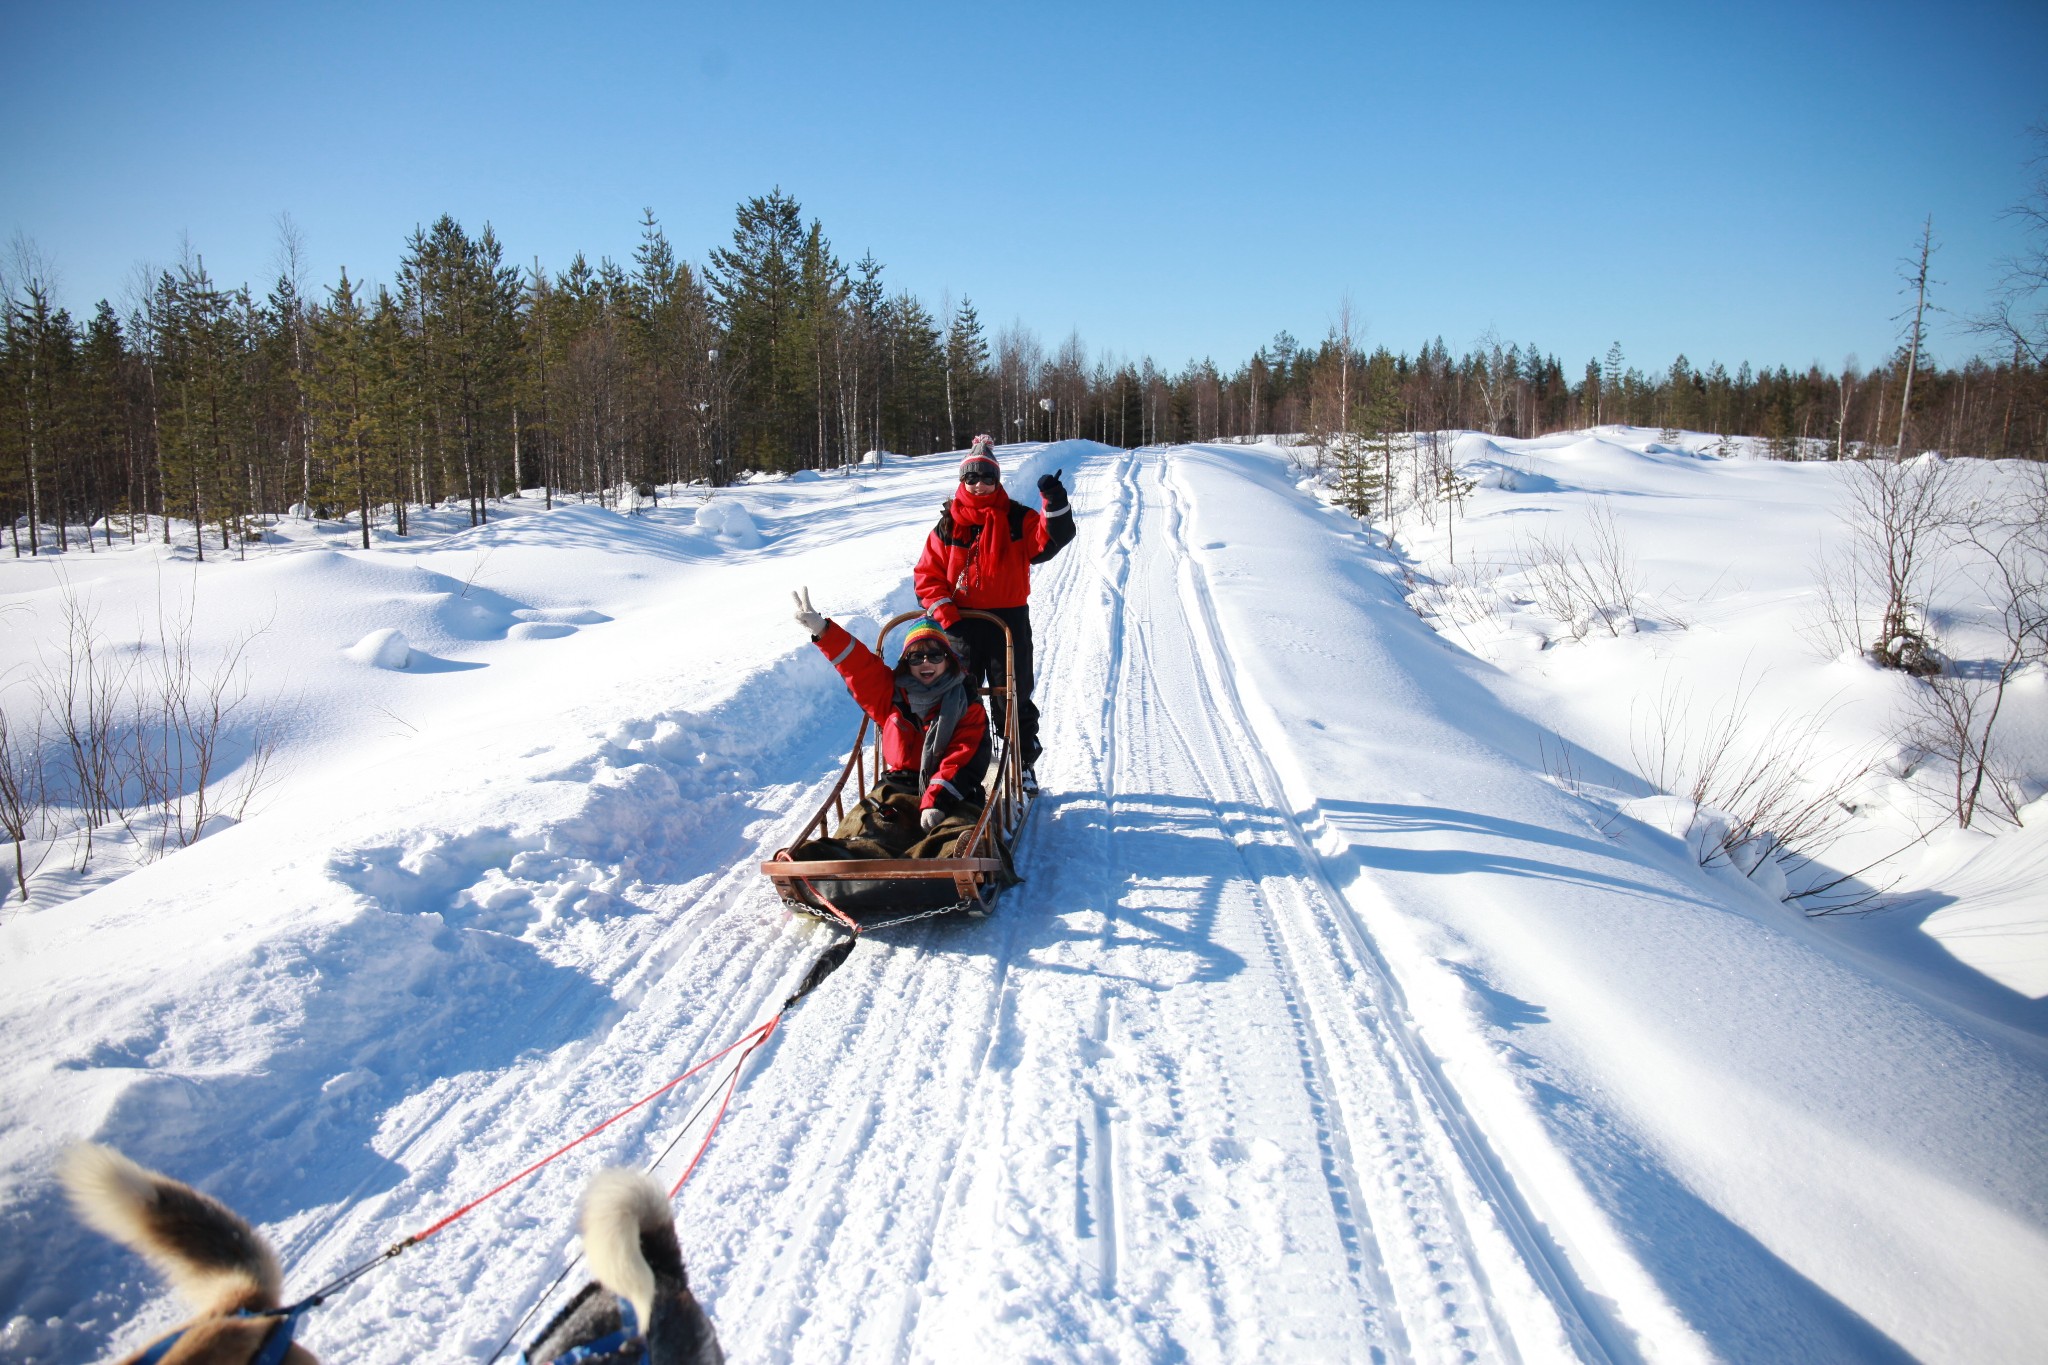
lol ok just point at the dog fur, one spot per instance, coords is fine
(220, 1265)
(629, 1238)
(215, 1261)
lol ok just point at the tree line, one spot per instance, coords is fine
(470, 378)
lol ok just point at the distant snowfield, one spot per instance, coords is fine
(1346, 1009)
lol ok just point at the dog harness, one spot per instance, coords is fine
(277, 1343)
(622, 1345)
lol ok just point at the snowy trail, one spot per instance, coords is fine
(1154, 1108)
(1146, 1111)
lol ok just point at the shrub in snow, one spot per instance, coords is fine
(1715, 840)
(386, 648)
(1740, 794)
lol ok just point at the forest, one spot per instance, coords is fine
(212, 407)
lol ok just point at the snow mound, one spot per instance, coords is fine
(729, 520)
(386, 648)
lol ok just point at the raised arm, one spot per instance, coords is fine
(1056, 526)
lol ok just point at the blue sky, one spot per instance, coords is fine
(1181, 180)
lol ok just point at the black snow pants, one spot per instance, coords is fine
(985, 663)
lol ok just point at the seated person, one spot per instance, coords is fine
(935, 745)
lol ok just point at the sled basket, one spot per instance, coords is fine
(847, 890)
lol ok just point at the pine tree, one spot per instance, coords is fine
(822, 292)
(1610, 387)
(460, 301)
(40, 343)
(914, 375)
(671, 342)
(101, 430)
(755, 287)
(966, 367)
(1361, 485)
(1379, 421)
(198, 343)
(346, 388)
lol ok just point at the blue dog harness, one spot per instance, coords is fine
(624, 1344)
(277, 1343)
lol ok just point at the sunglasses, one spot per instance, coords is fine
(978, 476)
(925, 656)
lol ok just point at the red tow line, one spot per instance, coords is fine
(747, 1044)
(751, 1040)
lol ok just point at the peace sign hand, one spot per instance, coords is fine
(807, 616)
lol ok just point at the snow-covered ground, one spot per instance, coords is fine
(1348, 1008)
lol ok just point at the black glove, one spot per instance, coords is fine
(1052, 491)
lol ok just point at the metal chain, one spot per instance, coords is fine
(911, 919)
(812, 912)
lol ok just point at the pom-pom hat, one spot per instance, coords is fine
(981, 458)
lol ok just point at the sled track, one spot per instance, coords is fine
(1322, 927)
(1007, 1121)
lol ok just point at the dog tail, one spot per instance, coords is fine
(630, 1237)
(210, 1256)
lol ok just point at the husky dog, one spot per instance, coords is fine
(217, 1261)
(630, 1240)
(212, 1258)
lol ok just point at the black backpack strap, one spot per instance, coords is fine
(1017, 512)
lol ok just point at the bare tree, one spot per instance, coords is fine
(83, 694)
(28, 288)
(1897, 512)
(290, 299)
(2018, 317)
(1495, 373)
(1959, 709)
(1916, 331)
(24, 808)
(1845, 392)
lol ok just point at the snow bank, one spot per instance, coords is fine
(383, 648)
(728, 519)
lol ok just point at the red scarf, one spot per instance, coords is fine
(991, 514)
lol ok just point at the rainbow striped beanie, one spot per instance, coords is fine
(927, 631)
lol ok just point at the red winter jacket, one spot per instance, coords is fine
(873, 685)
(979, 556)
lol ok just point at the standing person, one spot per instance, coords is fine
(935, 749)
(979, 558)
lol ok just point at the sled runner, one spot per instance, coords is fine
(856, 892)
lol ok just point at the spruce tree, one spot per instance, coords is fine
(346, 390)
(754, 287)
(966, 367)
